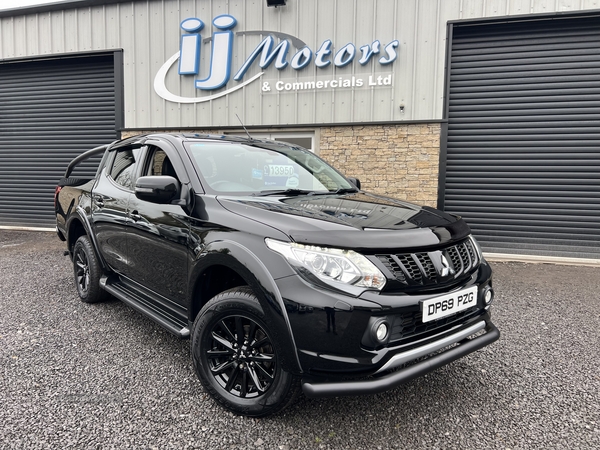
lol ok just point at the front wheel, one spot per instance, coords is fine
(235, 357)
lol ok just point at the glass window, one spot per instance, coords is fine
(301, 141)
(159, 164)
(232, 167)
(123, 167)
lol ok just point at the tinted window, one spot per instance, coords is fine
(123, 167)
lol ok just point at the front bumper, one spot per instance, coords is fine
(337, 357)
(462, 346)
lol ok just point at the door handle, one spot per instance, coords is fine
(135, 215)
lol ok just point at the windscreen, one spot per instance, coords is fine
(238, 168)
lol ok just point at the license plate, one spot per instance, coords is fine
(448, 304)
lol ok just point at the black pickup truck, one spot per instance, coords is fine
(283, 273)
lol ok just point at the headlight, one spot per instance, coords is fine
(331, 264)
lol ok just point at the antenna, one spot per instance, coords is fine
(250, 137)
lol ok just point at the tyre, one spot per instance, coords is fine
(235, 357)
(87, 271)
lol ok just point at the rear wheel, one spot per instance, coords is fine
(87, 272)
(235, 357)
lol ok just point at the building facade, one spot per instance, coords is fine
(487, 109)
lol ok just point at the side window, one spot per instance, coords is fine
(123, 167)
(159, 164)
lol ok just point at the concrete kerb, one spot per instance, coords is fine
(535, 259)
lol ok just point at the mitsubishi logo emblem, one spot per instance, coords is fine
(445, 270)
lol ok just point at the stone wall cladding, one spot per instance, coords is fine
(401, 161)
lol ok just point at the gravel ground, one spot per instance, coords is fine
(102, 376)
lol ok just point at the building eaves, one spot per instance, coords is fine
(57, 6)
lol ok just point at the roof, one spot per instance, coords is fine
(57, 6)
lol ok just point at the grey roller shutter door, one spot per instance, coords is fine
(50, 112)
(523, 140)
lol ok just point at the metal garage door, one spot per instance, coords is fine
(523, 136)
(50, 111)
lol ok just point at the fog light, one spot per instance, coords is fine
(382, 331)
(488, 296)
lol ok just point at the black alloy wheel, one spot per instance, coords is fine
(87, 272)
(241, 357)
(82, 271)
(236, 358)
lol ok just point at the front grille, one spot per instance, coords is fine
(432, 268)
(409, 325)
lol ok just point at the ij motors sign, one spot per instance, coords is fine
(288, 54)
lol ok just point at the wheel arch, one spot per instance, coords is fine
(77, 226)
(225, 264)
(75, 230)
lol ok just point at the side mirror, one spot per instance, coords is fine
(354, 181)
(157, 189)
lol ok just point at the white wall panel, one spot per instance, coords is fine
(323, 100)
(496, 8)
(149, 33)
(98, 33)
(386, 30)
(427, 42)
(71, 31)
(85, 30)
(543, 6)
(447, 9)
(20, 37)
(32, 35)
(143, 67)
(6, 35)
(472, 9)
(56, 34)
(44, 29)
(126, 35)
(306, 25)
(519, 7)
(590, 4)
(346, 27)
(111, 25)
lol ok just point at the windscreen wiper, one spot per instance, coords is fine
(345, 191)
(285, 192)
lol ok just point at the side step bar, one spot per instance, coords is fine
(152, 308)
